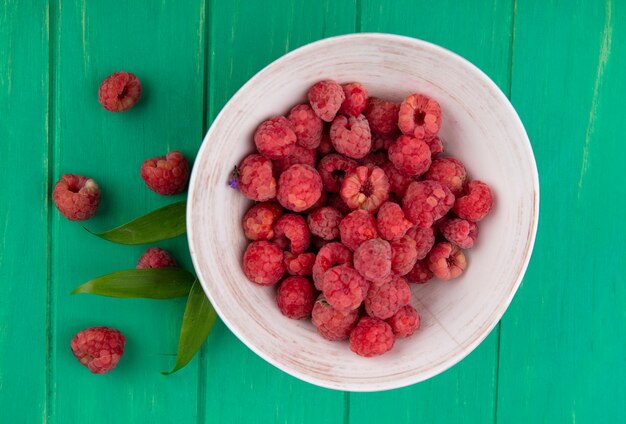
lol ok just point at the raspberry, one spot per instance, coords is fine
(259, 221)
(299, 187)
(167, 174)
(357, 227)
(392, 224)
(405, 322)
(446, 261)
(382, 115)
(371, 337)
(403, 255)
(332, 324)
(156, 258)
(410, 155)
(356, 99)
(448, 171)
(383, 141)
(344, 287)
(435, 145)
(374, 159)
(291, 233)
(299, 155)
(398, 182)
(301, 264)
(419, 116)
(307, 126)
(333, 168)
(324, 222)
(326, 98)
(384, 300)
(476, 203)
(263, 263)
(426, 201)
(326, 146)
(365, 188)
(98, 348)
(275, 138)
(119, 91)
(373, 260)
(256, 180)
(322, 201)
(351, 136)
(76, 197)
(460, 232)
(420, 273)
(424, 240)
(295, 297)
(329, 255)
(338, 203)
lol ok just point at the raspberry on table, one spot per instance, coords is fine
(446, 261)
(156, 258)
(448, 171)
(426, 201)
(263, 263)
(119, 91)
(351, 136)
(381, 115)
(98, 348)
(326, 98)
(373, 260)
(295, 297)
(338, 203)
(435, 145)
(356, 99)
(384, 300)
(371, 337)
(357, 227)
(391, 222)
(329, 255)
(403, 255)
(461, 232)
(275, 138)
(424, 240)
(291, 233)
(333, 168)
(301, 264)
(398, 182)
(420, 273)
(256, 178)
(166, 175)
(330, 323)
(324, 222)
(258, 222)
(405, 322)
(411, 156)
(383, 141)
(419, 116)
(475, 203)
(344, 288)
(365, 188)
(299, 155)
(299, 187)
(76, 197)
(307, 126)
(326, 146)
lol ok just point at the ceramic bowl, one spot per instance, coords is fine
(479, 126)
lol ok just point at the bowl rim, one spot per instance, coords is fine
(501, 309)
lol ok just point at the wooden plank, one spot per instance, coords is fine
(562, 348)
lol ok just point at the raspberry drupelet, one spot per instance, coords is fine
(382, 115)
(426, 201)
(324, 222)
(356, 99)
(384, 300)
(351, 136)
(405, 322)
(307, 126)
(263, 263)
(371, 337)
(329, 255)
(330, 323)
(449, 171)
(76, 197)
(256, 178)
(258, 222)
(411, 156)
(365, 188)
(446, 261)
(295, 297)
(357, 227)
(475, 203)
(326, 98)
(275, 138)
(291, 233)
(344, 288)
(166, 175)
(419, 116)
(299, 187)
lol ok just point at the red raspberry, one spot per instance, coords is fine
(263, 263)
(365, 188)
(344, 287)
(405, 322)
(446, 261)
(329, 255)
(384, 300)
(324, 222)
(410, 155)
(351, 136)
(256, 179)
(374, 159)
(476, 203)
(333, 168)
(338, 203)
(156, 258)
(448, 171)
(299, 155)
(357, 227)
(291, 233)
(326, 98)
(382, 115)
(356, 99)
(98, 348)
(392, 224)
(259, 221)
(460, 232)
(426, 201)
(398, 182)
(301, 264)
(371, 337)
(373, 260)
(167, 174)
(307, 126)
(332, 324)
(383, 141)
(322, 201)
(299, 187)
(275, 138)
(76, 197)
(435, 145)
(326, 146)
(403, 255)
(420, 273)
(295, 297)
(119, 91)
(419, 116)
(424, 240)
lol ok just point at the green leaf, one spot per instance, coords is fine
(161, 224)
(151, 283)
(197, 323)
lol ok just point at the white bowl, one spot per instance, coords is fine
(479, 126)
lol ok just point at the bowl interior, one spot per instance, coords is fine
(479, 126)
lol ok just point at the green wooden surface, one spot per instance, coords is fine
(558, 354)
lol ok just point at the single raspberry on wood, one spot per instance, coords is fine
(449, 171)
(263, 263)
(371, 337)
(258, 222)
(156, 258)
(426, 201)
(324, 222)
(326, 98)
(403, 255)
(330, 323)
(357, 227)
(344, 288)
(446, 261)
(333, 168)
(461, 232)
(411, 156)
(373, 260)
(275, 138)
(405, 322)
(392, 224)
(76, 197)
(384, 300)
(329, 255)
(365, 188)
(382, 115)
(419, 116)
(307, 126)
(119, 91)
(356, 99)
(299, 187)
(351, 136)
(295, 297)
(166, 175)
(256, 178)
(98, 348)
(476, 203)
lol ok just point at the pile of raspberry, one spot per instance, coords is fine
(355, 201)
